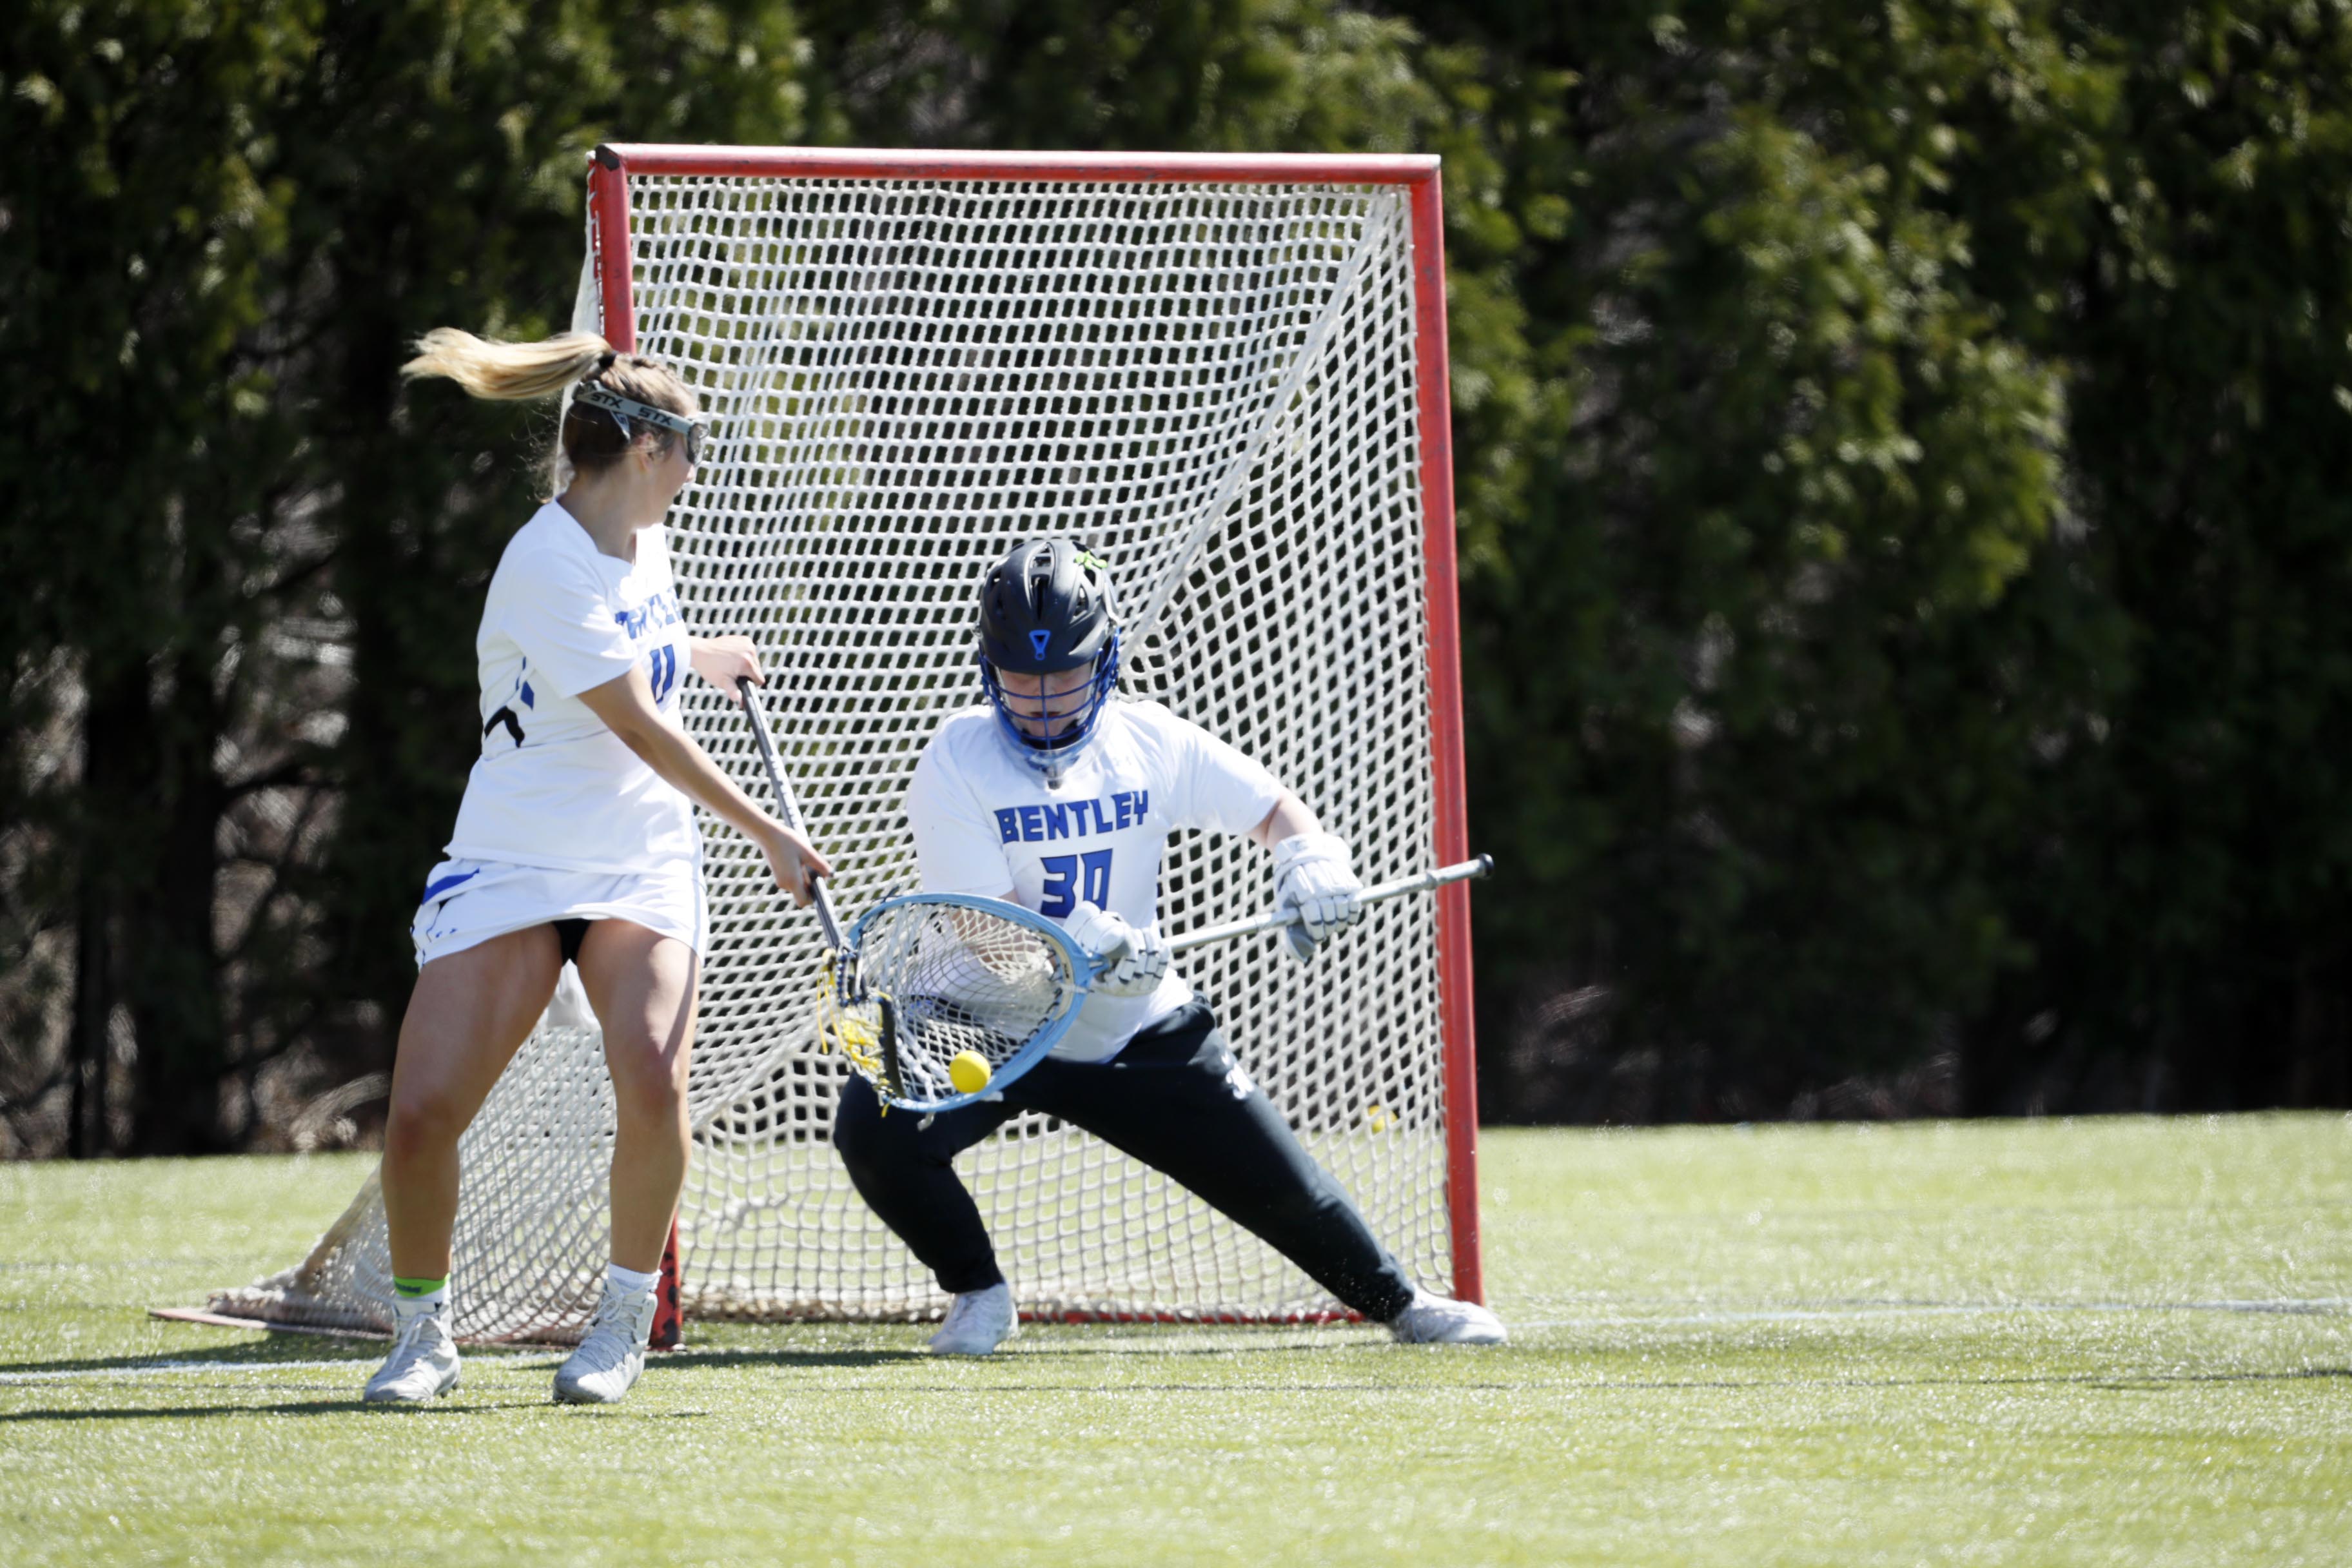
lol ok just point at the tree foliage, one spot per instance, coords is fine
(1903, 524)
(254, 570)
(1890, 448)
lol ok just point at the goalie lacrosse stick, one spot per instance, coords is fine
(919, 981)
(969, 973)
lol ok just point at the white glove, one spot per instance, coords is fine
(1311, 874)
(1131, 962)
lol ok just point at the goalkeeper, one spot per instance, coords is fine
(1056, 797)
(575, 841)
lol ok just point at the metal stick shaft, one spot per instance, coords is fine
(1275, 920)
(788, 806)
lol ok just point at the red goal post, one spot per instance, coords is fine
(609, 182)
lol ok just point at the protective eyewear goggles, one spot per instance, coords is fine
(625, 409)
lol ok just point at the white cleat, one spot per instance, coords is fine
(978, 1322)
(1430, 1320)
(608, 1361)
(421, 1367)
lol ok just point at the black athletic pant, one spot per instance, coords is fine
(1174, 1099)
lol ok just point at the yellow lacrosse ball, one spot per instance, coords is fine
(968, 1071)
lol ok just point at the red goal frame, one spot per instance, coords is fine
(608, 196)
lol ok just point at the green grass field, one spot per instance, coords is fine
(2114, 1341)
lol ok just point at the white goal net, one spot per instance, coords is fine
(1217, 378)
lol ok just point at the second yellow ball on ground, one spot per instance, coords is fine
(968, 1071)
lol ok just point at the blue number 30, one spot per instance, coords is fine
(1069, 878)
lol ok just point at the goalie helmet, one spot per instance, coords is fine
(1045, 609)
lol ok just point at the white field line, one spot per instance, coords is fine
(2295, 1306)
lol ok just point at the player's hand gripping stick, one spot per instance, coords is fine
(1275, 920)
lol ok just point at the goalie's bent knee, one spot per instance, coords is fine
(861, 1132)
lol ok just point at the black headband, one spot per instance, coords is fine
(625, 409)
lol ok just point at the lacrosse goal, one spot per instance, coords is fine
(1228, 375)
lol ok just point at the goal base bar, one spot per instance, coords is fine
(211, 1319)
(1048, 1314)
(1212, 1319)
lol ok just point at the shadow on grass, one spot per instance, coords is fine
(2119, 1383)
(285, 1346)
(1028, 1349)
(276, 1347)
(2112, 1382)
(783, 1356)
(353, 1405)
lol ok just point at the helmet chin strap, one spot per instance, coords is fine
(1053, 763)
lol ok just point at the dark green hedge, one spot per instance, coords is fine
(1906, 528)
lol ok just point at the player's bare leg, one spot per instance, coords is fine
(642, 986)
(469, 1014)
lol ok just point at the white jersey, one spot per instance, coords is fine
(554, 786)
(983, 820)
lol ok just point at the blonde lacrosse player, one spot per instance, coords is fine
(1055, 796)
(576, 842)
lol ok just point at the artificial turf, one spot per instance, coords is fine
(2118, 1341)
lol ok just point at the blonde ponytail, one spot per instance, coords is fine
(508, 373)
(588, 439)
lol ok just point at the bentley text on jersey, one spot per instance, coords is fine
(1073, 819)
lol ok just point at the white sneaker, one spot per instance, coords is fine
(423, 1365)
(608, 1361)
(978, 1322)
(1430, 1320)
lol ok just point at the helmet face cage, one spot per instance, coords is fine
(1052, 753)
(1045, 609)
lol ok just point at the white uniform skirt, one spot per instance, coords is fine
(467, 902)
